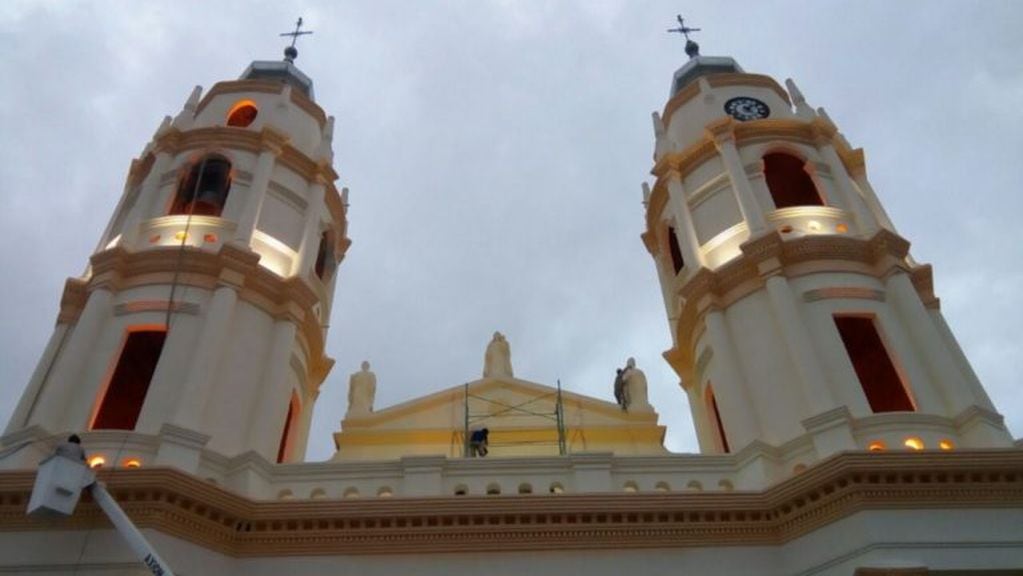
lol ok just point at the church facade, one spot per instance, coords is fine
(841, 428)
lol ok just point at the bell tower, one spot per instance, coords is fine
(201, 318)
(799, 319)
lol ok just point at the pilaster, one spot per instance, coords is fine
(272, 144)
(684, 220)
(723, 135)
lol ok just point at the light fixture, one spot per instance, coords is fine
(132, 463)
(97, 461)
(876, 446)
(946, 444)
(914, 443)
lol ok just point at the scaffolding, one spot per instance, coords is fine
(505, 410)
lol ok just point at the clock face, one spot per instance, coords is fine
(744, 108)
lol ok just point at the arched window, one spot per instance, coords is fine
(126, 391)
(715, 415)
(242, 114)
(326, 261)
(676, 252)
(203, 191)
(287, 435)
(788, 182)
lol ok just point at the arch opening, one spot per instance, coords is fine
(788, 181)
(203, 191)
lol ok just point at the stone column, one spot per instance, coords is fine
(249, 216)
(310, 245)
(813, 382)
(209, 351)
(684, 221)
(273, 394)
(724, 140)
(704, 435)
(852, 199)
(938, 362)
(300, 432)
(740, 418)
(144, 202)
(64, 390)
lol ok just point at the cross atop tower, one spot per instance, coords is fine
(290, 53)
(692, 48)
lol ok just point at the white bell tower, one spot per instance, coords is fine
(799, 319)
(201, 318)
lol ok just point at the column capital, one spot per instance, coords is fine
(270, 140)
(721, 132)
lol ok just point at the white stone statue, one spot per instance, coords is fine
(362, 389)
(634, 388)
(497, 360)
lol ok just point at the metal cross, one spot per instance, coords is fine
(298, 32)
(682, 28)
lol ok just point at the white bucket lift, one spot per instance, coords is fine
(58, 486)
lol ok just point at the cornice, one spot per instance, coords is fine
(184, 506)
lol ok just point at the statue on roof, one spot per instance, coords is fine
(497, 359)
(362, 389)
(634, 389)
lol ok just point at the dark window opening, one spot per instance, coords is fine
(874, 368)
(204, 190)
(326, 262)
(789, 183)
(712, 403)
(122, 401)
(676, 252)
(284, 449)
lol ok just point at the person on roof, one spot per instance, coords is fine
(478, 443)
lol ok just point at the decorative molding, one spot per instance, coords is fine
(140, 306)
(267, 87)
(285, 195)
(183, 506)
(845, 292)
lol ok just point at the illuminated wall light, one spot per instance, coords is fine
(946, 444)
(97, 461)
(841, 228)
(209, 238)
(154, 238)
(876, 446)
(132, 463)
(180, 235)
(914, 443)
(813, 226)
(786, 229)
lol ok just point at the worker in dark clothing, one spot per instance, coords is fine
(72, 448)
(478, 443)
(620, 397)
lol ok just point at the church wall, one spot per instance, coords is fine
(714, 213)
(702, 174)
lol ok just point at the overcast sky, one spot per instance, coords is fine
(494, 152)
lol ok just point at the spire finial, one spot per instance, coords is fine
(692, 48)
(290, 53)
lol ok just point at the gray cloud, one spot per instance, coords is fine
(494, 151)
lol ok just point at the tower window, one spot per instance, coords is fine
(326, 261)
(204, 190)
(123, 398)
(788, 182)
(287, 435)
(676, 252)
(719, 427)
(874, 368)
(242, 114)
